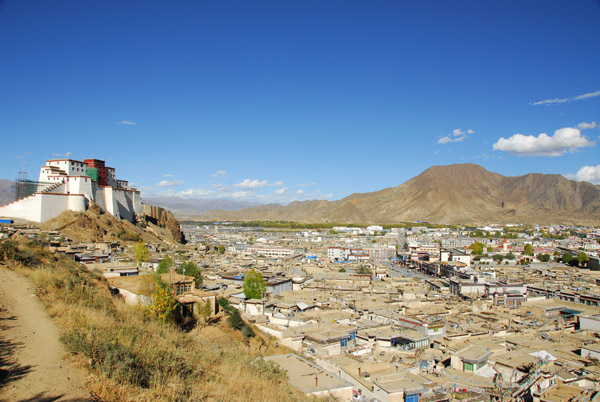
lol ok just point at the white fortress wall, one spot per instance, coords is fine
(74, 190)
(123, 200)
(29, 208)
(54, 204)
(109, 201)
(137, 202)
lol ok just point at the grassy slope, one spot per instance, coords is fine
(133, 357)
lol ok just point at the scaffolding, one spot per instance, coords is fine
(25, 187)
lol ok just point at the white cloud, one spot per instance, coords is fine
(19, 156)
(590, 174)
(220, 173)
(457, 135)
(66, 154)
(169, 183)
(585, 126)
(195, 192)
(168, 175)
(277, 183)
(565, 100)
(127, 123)
(447, 139)
(563, 140)
(255, 191)
(587, 96)
(252, 184)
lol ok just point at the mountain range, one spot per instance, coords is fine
(460, 193)
(193, 206)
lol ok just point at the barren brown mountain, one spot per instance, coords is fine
(461, 193)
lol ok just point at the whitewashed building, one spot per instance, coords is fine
(68, 184)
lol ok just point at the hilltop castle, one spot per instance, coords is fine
(68, 184)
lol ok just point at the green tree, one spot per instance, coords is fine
(490, 249)
(141, 252)
(254, 285)
(510, 256)
(364, 270)
(544, 257)
(405, 246)
(191, 269)
(163, 266)
(528, 249)
(582, 258)
(342, 270)
(477, 248)
(221, 249)
(498, 257)
(567, 258)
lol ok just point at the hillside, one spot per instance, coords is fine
(460, 193)
(121, 352)
(95, 225)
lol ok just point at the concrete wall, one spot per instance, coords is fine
(340, 394)
(134, 299)
(591, 353)
(589, 323)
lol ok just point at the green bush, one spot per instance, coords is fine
(235, 320)
(225, 305)
(28, 258)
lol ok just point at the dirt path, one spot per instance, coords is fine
(32, 364)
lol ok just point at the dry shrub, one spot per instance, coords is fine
(132, 356)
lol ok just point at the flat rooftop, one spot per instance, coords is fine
(302, 373)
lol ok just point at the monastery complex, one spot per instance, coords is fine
(68, 184)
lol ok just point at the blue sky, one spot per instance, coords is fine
(293, 100)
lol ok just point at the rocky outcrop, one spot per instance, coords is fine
(164, 219)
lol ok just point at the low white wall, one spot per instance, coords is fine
(55, 204)
(29, 208)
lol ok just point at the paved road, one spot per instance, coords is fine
(397, 271)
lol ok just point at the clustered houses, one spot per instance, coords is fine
(426, 321)
(438, 323)
(68, 184)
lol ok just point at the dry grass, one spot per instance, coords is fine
(131, 356)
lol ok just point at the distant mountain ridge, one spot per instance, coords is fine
(460, 193)
(193, 206)
(7, 191)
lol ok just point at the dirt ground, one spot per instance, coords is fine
(33, 362)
